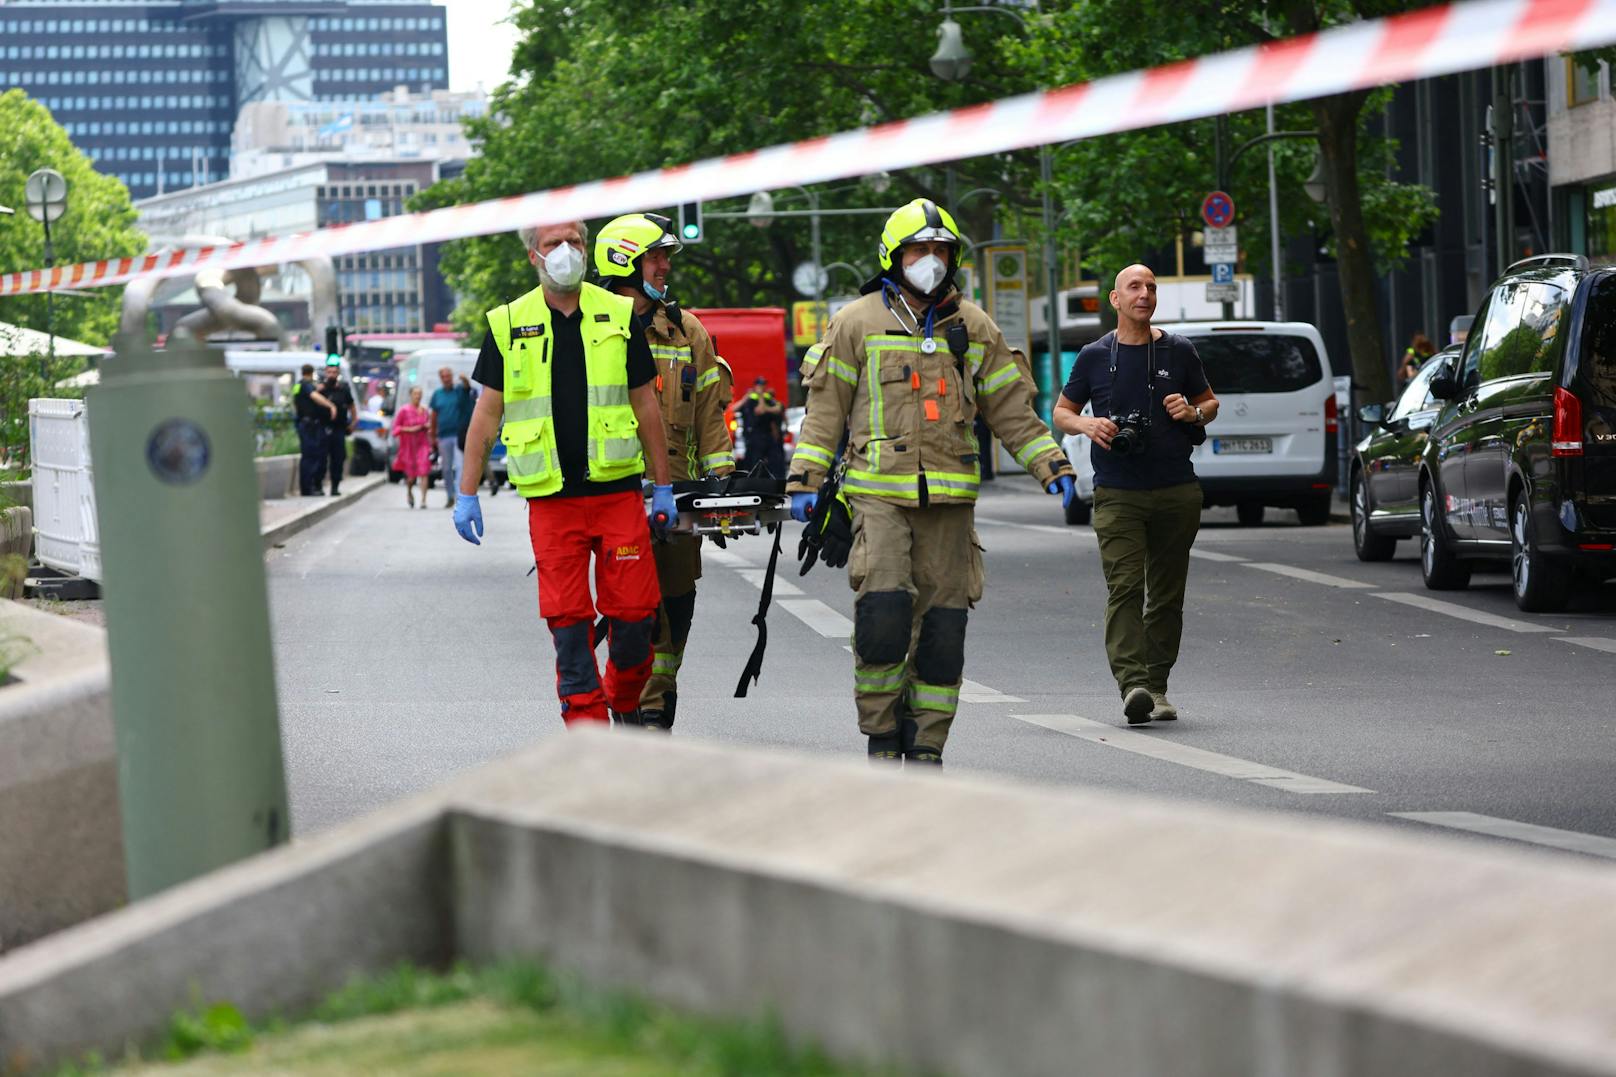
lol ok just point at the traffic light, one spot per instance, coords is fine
(333, 341)
(690, 228)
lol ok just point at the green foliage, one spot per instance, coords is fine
(25, 378)
(219, 1028)
(99, 222)
(1516, 353)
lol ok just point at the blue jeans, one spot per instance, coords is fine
(449, 461)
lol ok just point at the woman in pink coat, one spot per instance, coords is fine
(412, 425)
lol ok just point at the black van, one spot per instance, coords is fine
(1521, 461)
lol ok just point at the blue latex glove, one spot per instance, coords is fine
(1064, 486)
(468, 518)
(664, 512)
(802, 506)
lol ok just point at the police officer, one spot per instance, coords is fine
(339, 423)
(633, 254)
(764, 427)
(907, 368)
(311, 409)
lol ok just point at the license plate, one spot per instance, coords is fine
(1232, 445)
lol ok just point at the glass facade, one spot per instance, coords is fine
(150, 91)
(1601, 234)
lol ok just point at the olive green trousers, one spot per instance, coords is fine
(1145, 539)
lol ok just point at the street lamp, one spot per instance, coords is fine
(46, 196)
(951, 63)
(760, 211)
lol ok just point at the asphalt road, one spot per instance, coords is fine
(1308, 681)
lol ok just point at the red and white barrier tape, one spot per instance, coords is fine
(1422, 44)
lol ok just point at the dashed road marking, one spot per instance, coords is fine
(818, 616)
(782, 587)
(1463, 613)
(976, 692)
(1186, 756)
(1597, 643)
(1307, 574)
(1050, 528)
(727, 558)
(1213, 555)
(1569, 840)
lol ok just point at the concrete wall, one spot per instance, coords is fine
(61, 845)
(932, 922)
(1582, 142)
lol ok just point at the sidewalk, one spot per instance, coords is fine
(279, 520)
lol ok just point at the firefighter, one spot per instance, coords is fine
(906, 369)
(574, 384)
(632, 257)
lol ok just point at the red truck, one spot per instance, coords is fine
(753, 341)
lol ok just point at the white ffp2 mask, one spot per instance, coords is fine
(925, 274)
(564, 266)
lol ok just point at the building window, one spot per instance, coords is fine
(1582, 81)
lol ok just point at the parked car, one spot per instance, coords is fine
(1275, 438)
(1383, 476)
(1521, 460)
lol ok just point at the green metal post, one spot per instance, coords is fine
(201, 781)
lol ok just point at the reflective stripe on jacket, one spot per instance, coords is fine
(694, 388)
(910, 415)
(523, 334)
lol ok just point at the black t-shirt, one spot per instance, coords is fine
(1166, 462)
(569, 390)
(342, 400)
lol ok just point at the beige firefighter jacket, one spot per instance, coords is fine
(909, 414)
(694, 386)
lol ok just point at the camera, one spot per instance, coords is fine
(1133, 433)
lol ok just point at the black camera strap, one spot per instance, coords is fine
(1150, 377)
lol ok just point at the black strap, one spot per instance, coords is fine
(754, 664)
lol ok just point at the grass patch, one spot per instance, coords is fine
(503, 1019)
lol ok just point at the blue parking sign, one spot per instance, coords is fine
(1222, 273)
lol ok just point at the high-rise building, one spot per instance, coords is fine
(151, 90)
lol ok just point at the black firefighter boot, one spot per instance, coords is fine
(661, 719)
(886, 747)
(912, 753)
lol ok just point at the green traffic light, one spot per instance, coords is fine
(692, 231)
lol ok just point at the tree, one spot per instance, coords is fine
(99, 222)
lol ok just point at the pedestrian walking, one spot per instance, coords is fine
(451, 414)
(907, 367)
(343, 417)
(574, 383)
(310, 409)
(633, 257)
(412, 426)
(1418, 351)
(1151, 404)
(763, 426)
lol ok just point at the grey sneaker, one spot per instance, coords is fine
(1136, 704)
(1163, 711)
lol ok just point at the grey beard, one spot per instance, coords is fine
(552, 286)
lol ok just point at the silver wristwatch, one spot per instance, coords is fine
(1200, 420)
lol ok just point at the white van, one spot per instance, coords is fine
(1275, 438)
(420, 368)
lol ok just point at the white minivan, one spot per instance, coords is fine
(1275, 438)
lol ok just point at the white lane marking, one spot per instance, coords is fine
(727, 558)
(1213, 555)
(1569, 840)
(1051, 528)
(976, 692)
(1185, 756)
(1463, 613)
(1307, 574)
(754, 576)
(1598, 643)
(818, 616)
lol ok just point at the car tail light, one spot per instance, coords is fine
(1596, 547)
(1332, 415)
(1567, 423)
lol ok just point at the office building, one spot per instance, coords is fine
(151, 91)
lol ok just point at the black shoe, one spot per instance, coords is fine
(660, 721)
(886, 747)
(923, 756)
(626, 717)
(334, 492)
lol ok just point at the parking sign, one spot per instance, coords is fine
(1222, 272)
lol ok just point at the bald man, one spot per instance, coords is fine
(1151, 403)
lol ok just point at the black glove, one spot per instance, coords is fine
(836, 541)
